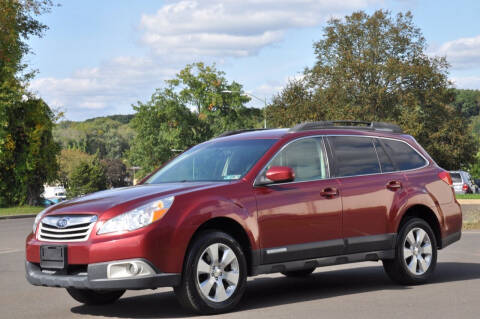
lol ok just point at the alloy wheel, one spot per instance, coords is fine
(417, 251)
(218, 272)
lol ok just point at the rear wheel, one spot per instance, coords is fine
(415, 254)
(214, 276)
(95, 297)
(298, 273)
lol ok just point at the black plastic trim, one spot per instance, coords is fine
(325, 261)
(450, 239)
(371, 243)
(304, 251)
(97, 279)
(328, 248)
(352, 125)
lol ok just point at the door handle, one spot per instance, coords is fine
(329, 192)
(394, 185)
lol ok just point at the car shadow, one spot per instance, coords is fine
(264, 292)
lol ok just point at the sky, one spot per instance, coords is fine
(101, 57)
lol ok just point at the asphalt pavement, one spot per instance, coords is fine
(360, 290)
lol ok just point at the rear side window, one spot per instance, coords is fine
(456, 178)
(354, 155)
(405, 156)
(385, 161)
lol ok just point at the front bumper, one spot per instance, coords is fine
(96, 278)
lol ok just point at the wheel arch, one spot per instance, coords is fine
(234, 229)
(427, 214)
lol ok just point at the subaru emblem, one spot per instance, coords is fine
(62, 222)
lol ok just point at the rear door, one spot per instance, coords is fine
(299, 220)
(369, 195)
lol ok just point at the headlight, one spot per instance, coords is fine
(37, 219)
(137, 218)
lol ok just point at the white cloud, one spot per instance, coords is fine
(462, 53)
(182, 32)
(194, 28)
(110, 88)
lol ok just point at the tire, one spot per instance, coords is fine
(95, 297)
(413, 263)
(202, 267)
(298, 273)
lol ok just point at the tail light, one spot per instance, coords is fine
(465, 187)
(445, 176)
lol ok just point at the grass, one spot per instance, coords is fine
(471, 225)
(468, 196)
(20, 210)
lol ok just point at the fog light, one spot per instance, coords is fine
(134, 268)
(128, 269)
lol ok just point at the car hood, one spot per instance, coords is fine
(124, 198)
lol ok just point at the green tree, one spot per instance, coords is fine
(219, 104)
(163, 125)
(115, 172)
(109, 137)
(69, 160)
(27, 149)
(192, 108)
(87, 177)
(375, 68)
(467, 102)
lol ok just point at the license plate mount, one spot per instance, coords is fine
(53, 257)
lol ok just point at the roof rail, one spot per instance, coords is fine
(235, 132)
(354, 125)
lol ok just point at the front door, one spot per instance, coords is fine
(303, 218)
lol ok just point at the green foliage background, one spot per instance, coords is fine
(375, 68)
(87, 177)
(371, 67)
(27, 149)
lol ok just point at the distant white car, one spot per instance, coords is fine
(463, 182)
(55, 193)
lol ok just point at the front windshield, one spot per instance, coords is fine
(215, 161)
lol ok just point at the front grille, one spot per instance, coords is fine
(63, 228)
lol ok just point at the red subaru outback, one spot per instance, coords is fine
(249, 203)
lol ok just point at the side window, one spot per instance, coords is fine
(386, 163)
(456, 178)
(405, 156)
(354, 155)
(306, 157)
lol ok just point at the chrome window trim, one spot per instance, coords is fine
(325, 140)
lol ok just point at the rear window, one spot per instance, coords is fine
(456, 178)
(354, 155)
(404, 156)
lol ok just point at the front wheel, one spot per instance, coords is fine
(415, 254)
(95, 297)
(214, 276)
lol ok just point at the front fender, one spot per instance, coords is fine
(194, 210)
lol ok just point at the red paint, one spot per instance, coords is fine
(280, 174)
(271, 216)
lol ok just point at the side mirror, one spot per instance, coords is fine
(278, 174)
